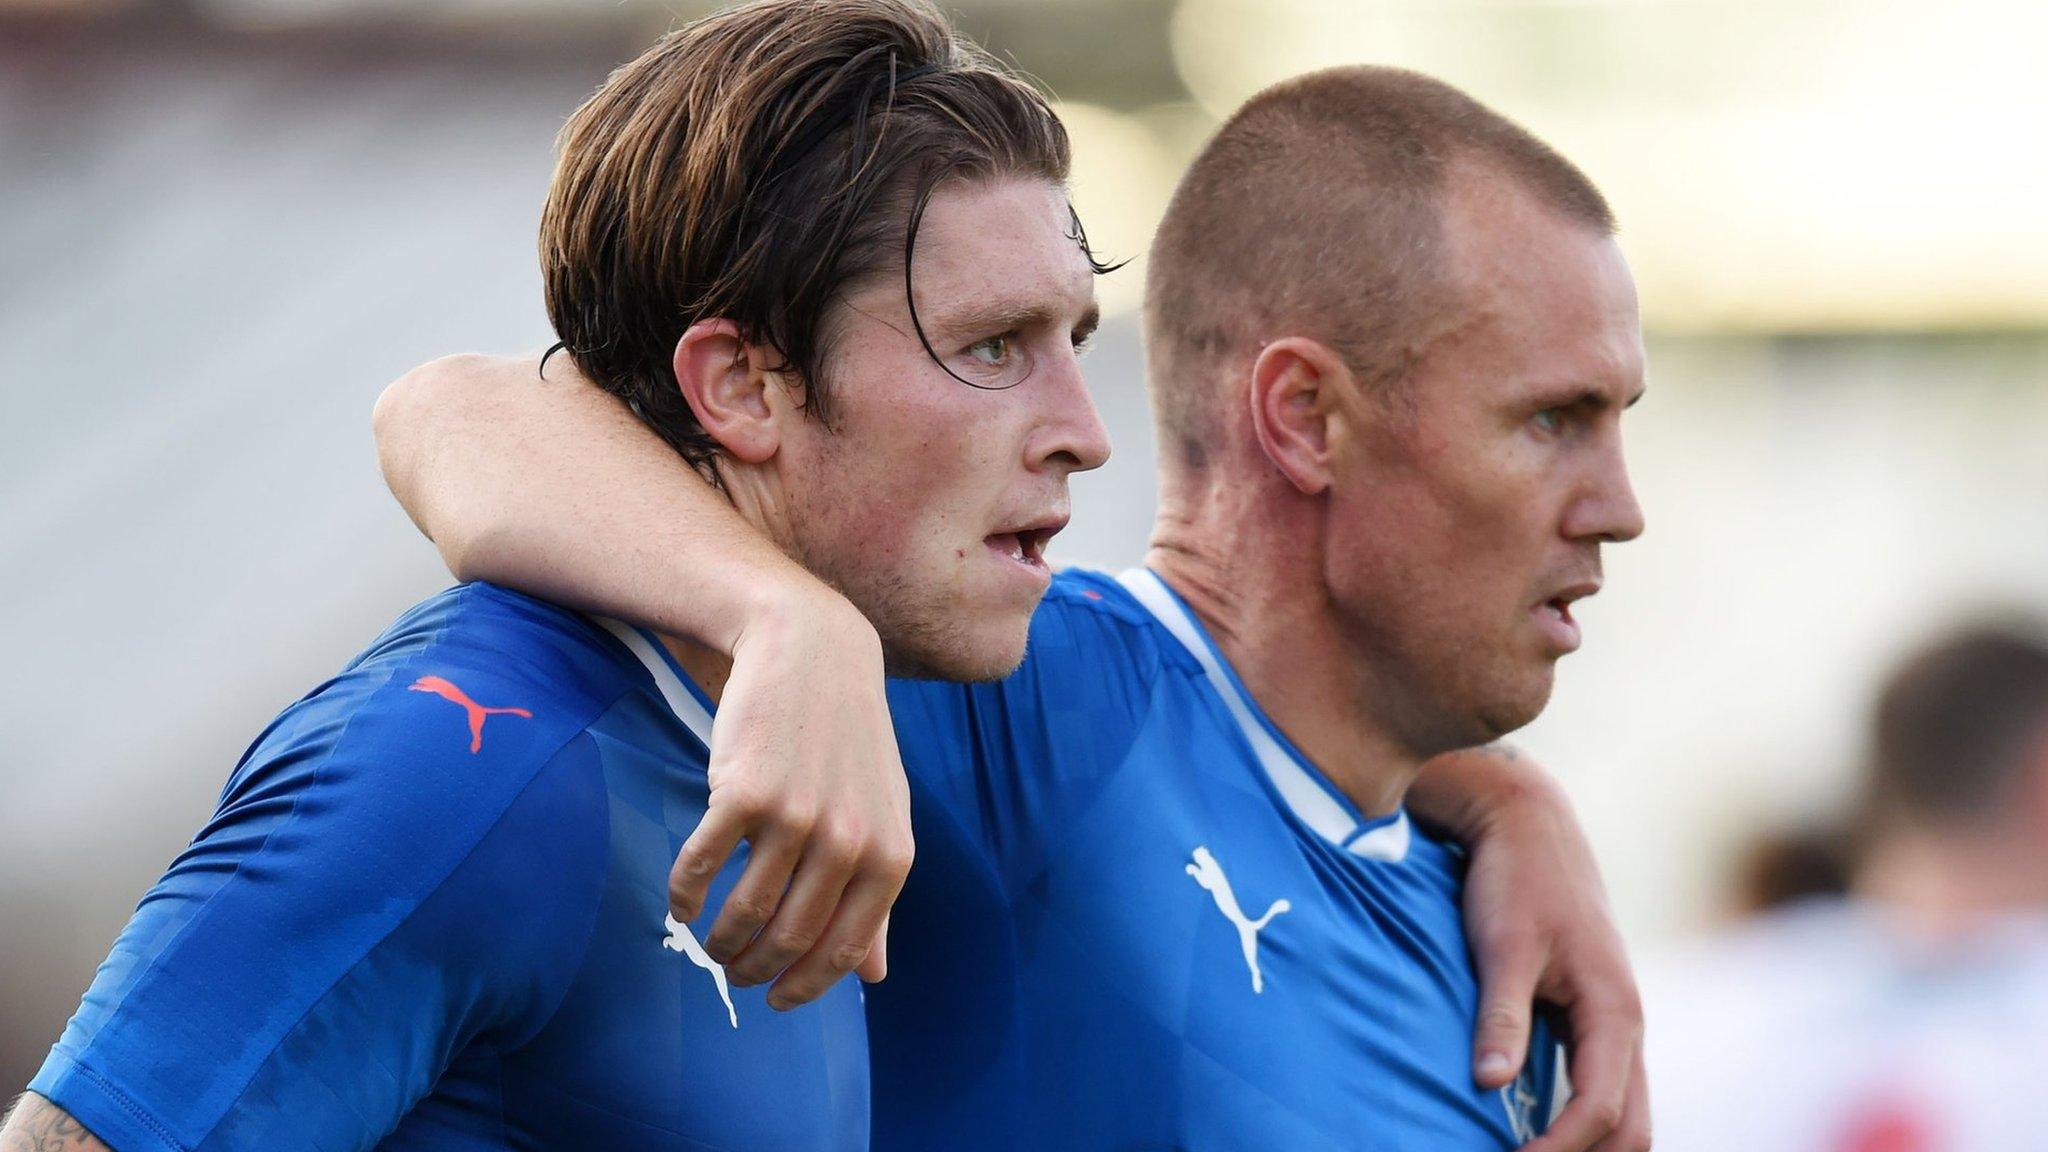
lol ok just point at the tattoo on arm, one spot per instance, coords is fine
(36, 1125)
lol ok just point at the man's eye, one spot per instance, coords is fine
(992, 351)
(1551, 420)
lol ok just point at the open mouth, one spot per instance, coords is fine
(1025, 546)
(1555, 615)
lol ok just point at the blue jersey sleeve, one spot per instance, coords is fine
(1005, 764)
(404, 865)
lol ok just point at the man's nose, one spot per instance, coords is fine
(1072, 437)
(1607, 509)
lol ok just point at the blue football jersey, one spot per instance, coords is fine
(1140, 919)
(430, 912)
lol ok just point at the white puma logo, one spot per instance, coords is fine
(680, 940)
(1209, 874)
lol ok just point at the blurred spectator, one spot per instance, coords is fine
(1904, 1015)
(1787, 865)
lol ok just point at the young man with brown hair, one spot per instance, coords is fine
(1168, 892)
(431, 909)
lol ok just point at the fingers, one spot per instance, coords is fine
(800, 921)
(1606, 1051)
(756, 896)
(849, 940)
(703, 854)
(1507, 995)
(875, 968)
(1633, 1133)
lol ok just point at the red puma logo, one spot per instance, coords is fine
(476, 711)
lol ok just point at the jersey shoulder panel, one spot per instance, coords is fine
(408, 859)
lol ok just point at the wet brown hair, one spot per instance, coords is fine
(1316, 211)
(754, 165)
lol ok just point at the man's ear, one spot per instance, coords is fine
(1296, 383)
(727, 383)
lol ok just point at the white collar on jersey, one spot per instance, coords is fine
(1312, 798)
(682, 698)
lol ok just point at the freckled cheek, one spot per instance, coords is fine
(934, 477)
(910, 513)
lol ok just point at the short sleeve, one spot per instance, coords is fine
(376, 891)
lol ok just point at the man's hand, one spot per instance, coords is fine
(1537, 917)
(804, 767)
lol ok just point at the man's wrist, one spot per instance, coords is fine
(807, 607)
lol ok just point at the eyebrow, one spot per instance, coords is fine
(1574, 397)
(1006, 317)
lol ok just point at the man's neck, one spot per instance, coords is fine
(1281, 638)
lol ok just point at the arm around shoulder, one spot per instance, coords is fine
(546, 483)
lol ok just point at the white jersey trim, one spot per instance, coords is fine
(681, 700)
(1307, 796)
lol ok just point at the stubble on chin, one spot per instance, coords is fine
(935, 636)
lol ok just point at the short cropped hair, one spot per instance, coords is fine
(1956, 723)
(754, 165)
(1316, 210)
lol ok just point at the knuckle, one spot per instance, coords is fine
(839, 848)
(694, 863)
(746, 912)
(1606, 1115)
(793, 815)
(1616, 999)
(788, 942)
(1500, 1018)
(846, 957)
(894, 861)
(746, 802)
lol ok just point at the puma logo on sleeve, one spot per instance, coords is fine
(476, 712)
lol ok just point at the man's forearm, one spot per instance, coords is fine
(551, 486)
(36, 1125)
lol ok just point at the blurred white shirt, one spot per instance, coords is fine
(1825, 1028)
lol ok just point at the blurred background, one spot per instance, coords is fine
(226, 224)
